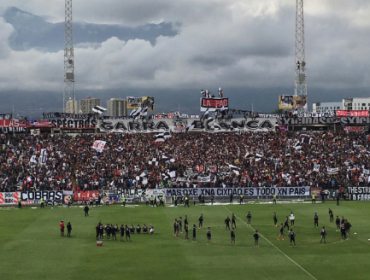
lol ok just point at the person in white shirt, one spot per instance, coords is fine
(291, 218)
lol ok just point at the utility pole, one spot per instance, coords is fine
(300, 89)
(69, 63)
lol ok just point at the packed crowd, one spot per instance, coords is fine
(261, 159)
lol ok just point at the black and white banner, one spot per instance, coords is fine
(323, 121)
(175, 126)
(247, 192)
(199, 179)
(359, 193)
(46, 195)
(57, 115)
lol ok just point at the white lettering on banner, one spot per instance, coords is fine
(322, 120)
(251, 192)
(139, 194)
(46, 195)
(174, 125)
(360, 197)
(359, 190)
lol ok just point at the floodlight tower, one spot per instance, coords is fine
(69, 65)
(300, 56)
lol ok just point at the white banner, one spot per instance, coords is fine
(332, 170)
(99, 146)
(43, 156)
(247, 192)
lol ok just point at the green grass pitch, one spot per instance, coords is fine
(31, 246)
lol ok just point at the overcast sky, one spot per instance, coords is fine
(227, 43)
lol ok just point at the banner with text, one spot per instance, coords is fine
(174, 125)
(213, 103)
(359, 193)
(246, 192)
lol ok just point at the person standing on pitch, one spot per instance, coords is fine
(233, 220)
(101, 231)
(186, 231)
(114, 230)
(343, 232)
(86, 209)
(316, 221)
(227, 223)
(233, 236)
(209, 235)
(256, 237)
(291, 218)
(97, 228)
(151, 200)
(161, 201)
(175, 228)
(231, 198)
(275, 219)
(292, 237)
(69, 201)
(128, 236)
(249, 218)
(175, 200)
(180, 225)
(281, 232)
(19, 203)
(194, 233)
(274, 199)
(122, 229)
(186, 201)
(323, 235)
(200, 221)
(313, 198)
(348, 226)
(69, 229)
(241, 199)
(337, 222)
(123, 201)
(42, 203)
(286, 222)
(331, 215)
(61, 225)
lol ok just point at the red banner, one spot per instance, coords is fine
(344, 113)
(354, 128)
(214, 103)
(13, 123)
(81, 195)
(41, 123)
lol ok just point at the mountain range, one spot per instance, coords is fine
(33, 31)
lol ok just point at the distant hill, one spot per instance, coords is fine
(33, 31)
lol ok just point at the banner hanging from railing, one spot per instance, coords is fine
(246, 192)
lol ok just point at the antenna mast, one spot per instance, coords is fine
(69, 68)
(300, 56)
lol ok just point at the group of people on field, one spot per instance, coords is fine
(342, 225)
(110, 231)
